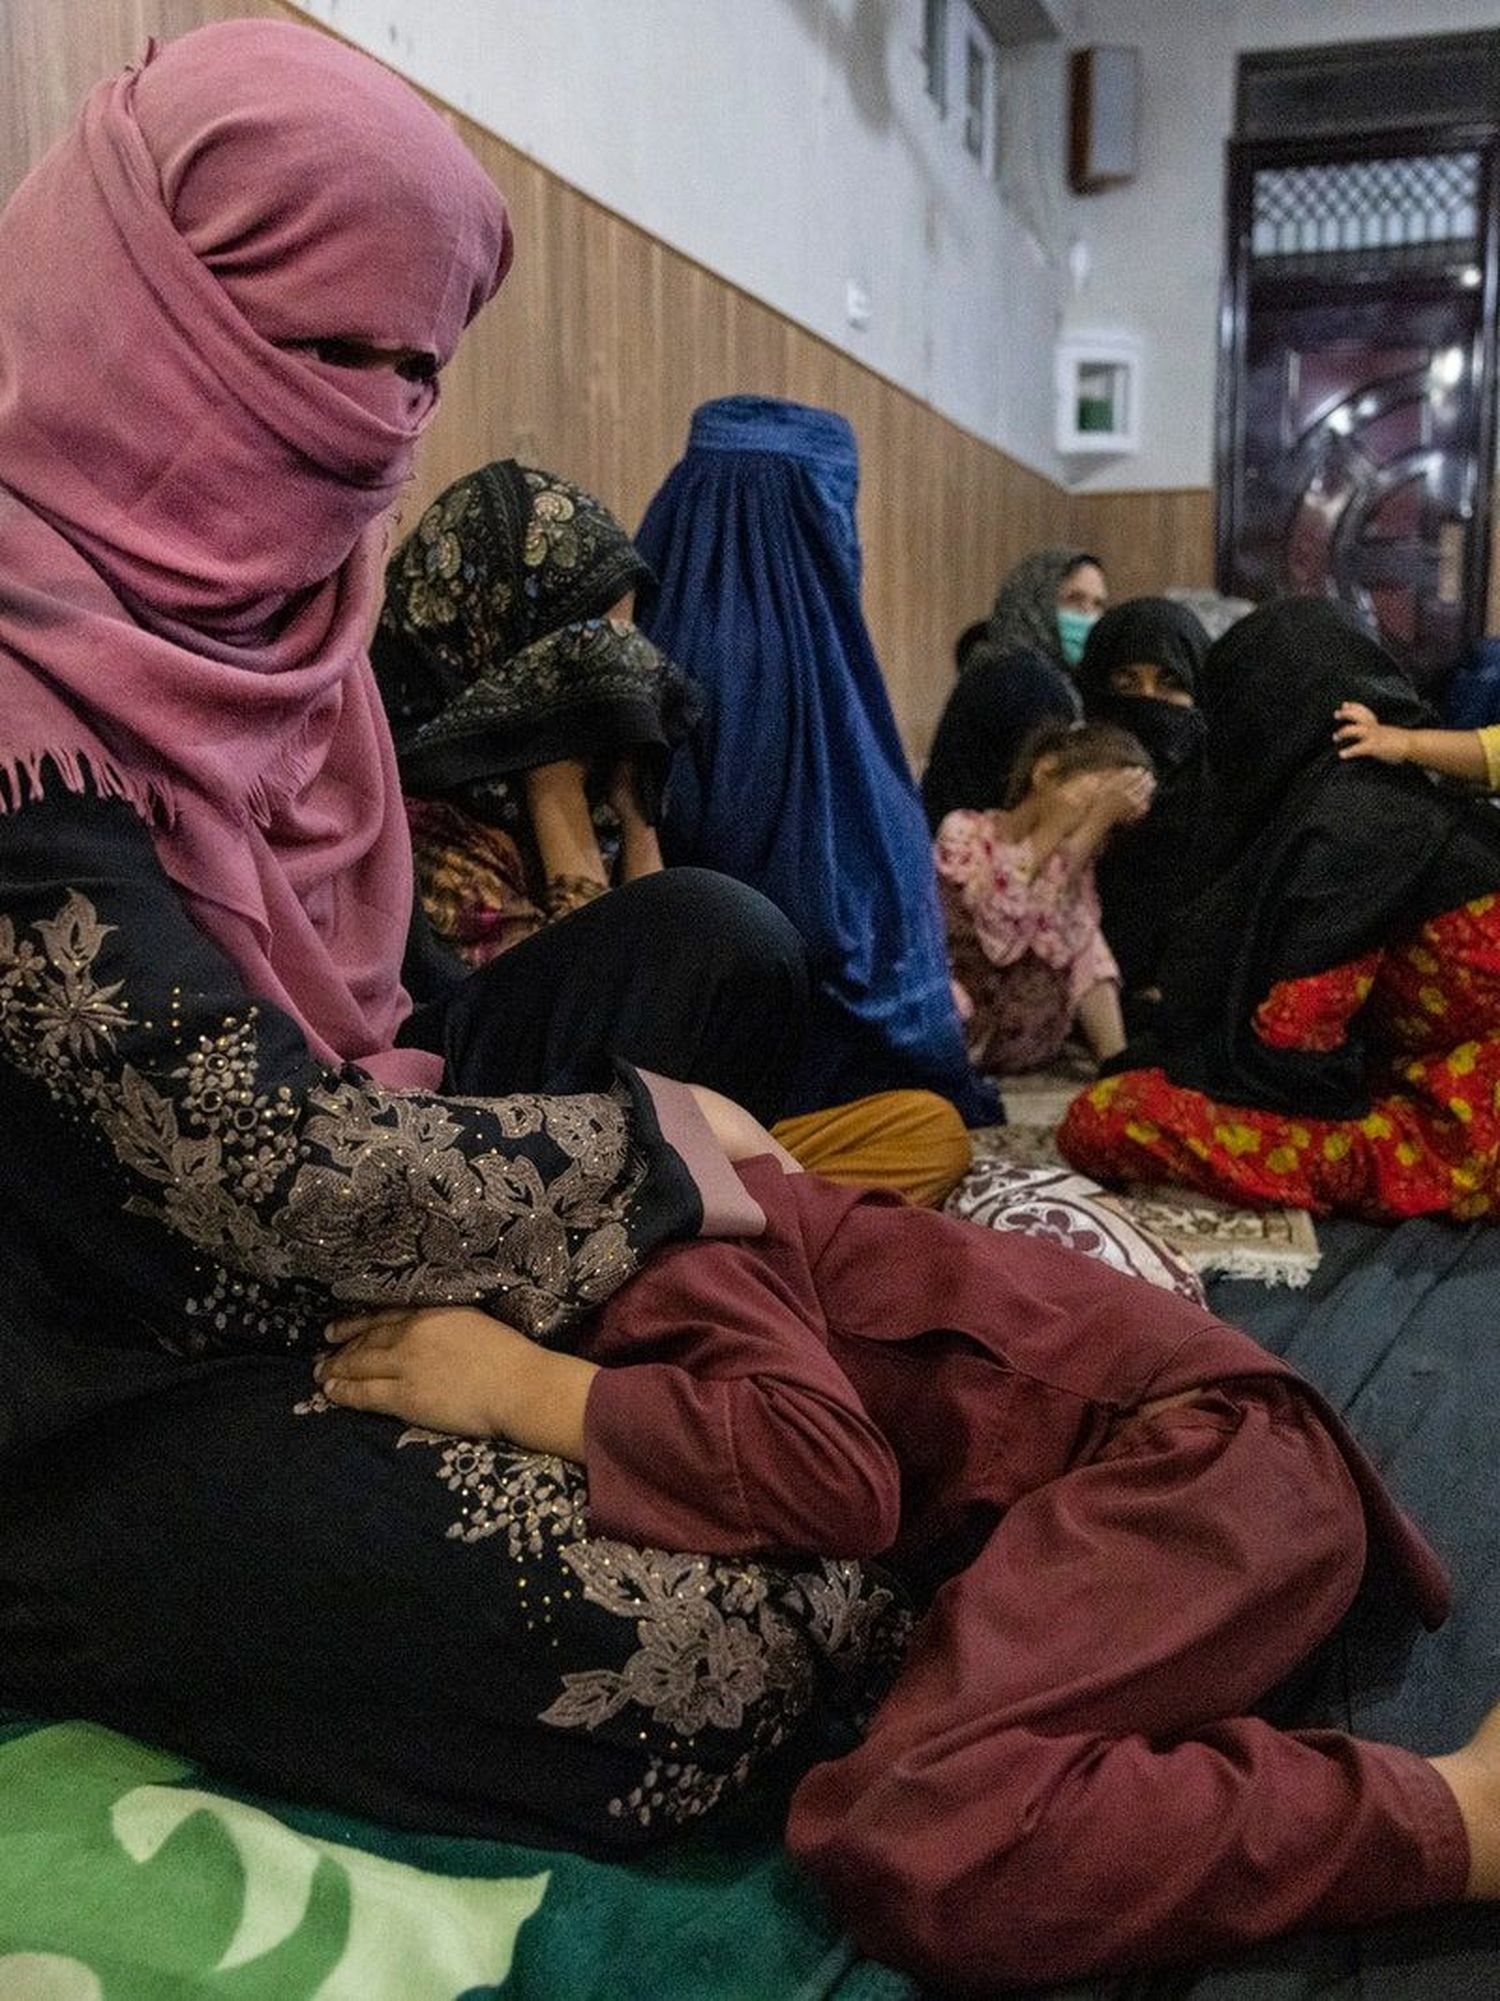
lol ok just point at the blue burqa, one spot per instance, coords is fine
(795, 780)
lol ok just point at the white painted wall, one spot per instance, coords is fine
(1156, 247)
(789, 146)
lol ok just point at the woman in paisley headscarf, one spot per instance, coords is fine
(1329, 1031)
(228, 295)
(1012, 679)
(1140, 671)
(526, 707)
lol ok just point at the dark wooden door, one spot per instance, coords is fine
(1357, 455)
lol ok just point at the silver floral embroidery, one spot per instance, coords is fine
(697, 1663)
(372, 1195)
(720, 1645)
(530, 1497)
(54, 1018)
(680, 1791)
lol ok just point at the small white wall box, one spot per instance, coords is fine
(1098, 380)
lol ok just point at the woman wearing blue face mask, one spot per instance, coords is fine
(1015, 676)
(1049, 604)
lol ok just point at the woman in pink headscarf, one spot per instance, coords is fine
(227, 297)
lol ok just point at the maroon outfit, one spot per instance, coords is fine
(1064, 1780)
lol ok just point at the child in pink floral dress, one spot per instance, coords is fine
(1024, 941)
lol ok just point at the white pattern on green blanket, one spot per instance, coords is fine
(218, 1895)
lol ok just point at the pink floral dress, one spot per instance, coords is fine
(1023, 940)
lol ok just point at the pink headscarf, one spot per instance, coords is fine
(190, 533)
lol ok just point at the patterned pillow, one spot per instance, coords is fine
(1069, 1208)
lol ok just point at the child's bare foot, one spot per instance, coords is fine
(1473, 1776)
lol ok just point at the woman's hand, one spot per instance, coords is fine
(456, 1369)
(1361, 733)
(563, 828)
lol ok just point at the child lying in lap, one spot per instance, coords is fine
(1135, 1523)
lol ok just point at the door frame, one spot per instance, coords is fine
(1243, 158)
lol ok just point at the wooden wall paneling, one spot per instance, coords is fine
(1148, 540)
(814, 369)
(643, 418)
(756, 349)
(53, 51)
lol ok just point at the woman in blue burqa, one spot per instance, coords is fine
(796, 781)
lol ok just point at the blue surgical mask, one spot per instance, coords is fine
(1073, 629)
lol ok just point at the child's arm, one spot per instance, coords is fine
(719, 1422)
(739, 1133)
(1454, 753)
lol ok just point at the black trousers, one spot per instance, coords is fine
(686, 972)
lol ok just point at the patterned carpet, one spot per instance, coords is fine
(1277, 1246)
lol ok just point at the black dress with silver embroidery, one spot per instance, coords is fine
(326, 1604)
(236, 1193)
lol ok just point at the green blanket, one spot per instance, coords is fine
(127, 1876)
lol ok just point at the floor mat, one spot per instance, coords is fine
(1277, 1246)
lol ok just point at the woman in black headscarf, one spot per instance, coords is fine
(1330, 1032)
(1012, 679)
(1140, 671)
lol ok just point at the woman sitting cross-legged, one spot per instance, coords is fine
(1330, 1019)
(795, 781)
(222, 1122)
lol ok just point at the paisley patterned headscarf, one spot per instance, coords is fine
(494, 653)
(191, 497)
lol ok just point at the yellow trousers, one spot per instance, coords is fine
(911, 1141)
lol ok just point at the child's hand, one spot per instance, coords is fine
(963, 1000)
(1124, 795)
(1127, 794)
(456, 1369)
(1362, 734)
(1068, 802)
